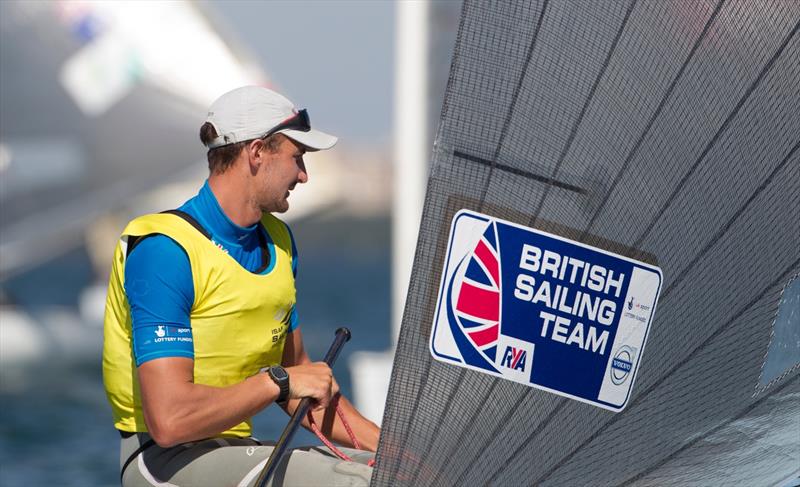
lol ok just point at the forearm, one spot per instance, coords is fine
(366, 432)
(186, 411)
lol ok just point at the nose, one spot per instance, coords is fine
(302, 177)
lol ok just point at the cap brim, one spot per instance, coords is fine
(313, 139)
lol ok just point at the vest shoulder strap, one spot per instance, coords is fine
(135, 240)
(190, 219)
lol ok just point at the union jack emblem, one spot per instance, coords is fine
(474, 302)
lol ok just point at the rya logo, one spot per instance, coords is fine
(514, 358)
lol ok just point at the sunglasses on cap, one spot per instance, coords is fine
(299, 121)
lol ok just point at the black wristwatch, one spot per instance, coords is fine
(280, 377)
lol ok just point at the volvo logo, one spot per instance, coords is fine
(622, 364)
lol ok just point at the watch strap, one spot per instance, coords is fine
(281, 382)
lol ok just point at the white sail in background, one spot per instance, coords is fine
(100, 103)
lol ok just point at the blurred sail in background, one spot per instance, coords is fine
(101, 103)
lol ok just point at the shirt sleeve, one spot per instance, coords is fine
(293, 318)
(160, 291)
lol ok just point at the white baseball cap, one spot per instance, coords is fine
(254, 112)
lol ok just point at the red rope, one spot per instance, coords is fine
(347, 428)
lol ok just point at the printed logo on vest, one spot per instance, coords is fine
(166, 333)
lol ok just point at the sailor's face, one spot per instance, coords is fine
(285, 170)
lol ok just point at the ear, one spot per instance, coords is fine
(256, 154)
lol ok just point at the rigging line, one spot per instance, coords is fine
(586, 103)
(514, 96)
(719, 133)
(698, 42)
(664, 99)
(686, 446)
(730, 222)
(685, 360)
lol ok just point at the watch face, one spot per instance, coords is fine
(279, 373)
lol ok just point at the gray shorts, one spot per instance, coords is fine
(219, 462)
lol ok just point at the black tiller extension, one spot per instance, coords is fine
(342, 337)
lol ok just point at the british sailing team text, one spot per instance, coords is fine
(569, 300)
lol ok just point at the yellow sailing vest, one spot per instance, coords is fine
(238, 318)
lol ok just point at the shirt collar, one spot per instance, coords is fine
(220, 225)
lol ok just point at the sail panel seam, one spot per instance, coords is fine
(514, 97)
(724, 229)
(722, 129)
(586, 103)
(635, 150)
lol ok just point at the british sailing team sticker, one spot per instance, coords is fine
(542, 310)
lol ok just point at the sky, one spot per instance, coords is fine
(334, 57)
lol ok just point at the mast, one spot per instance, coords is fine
(370, 370)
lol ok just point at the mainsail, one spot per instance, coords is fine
(664, 131)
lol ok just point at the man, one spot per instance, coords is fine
(201, 328)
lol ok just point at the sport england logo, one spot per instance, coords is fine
(167, 333)
(541, 310)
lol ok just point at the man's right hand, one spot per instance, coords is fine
(312, 380)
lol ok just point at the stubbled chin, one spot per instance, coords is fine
(277, 207)
(283, 206)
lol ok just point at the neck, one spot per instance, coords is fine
(236, 203)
